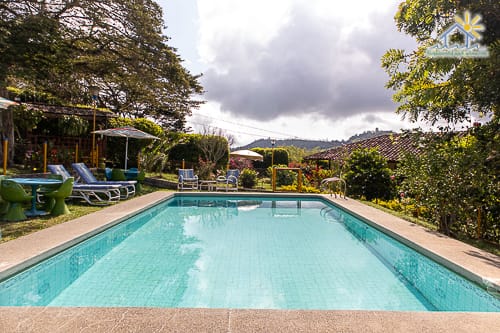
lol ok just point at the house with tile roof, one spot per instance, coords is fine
(391, 146)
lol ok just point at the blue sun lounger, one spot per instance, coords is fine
(92, 194)
(87, 177)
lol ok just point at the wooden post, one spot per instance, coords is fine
(273, 179)
(45, 157)
(299, 181)
(76, 153)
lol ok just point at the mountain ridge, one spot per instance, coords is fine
(311, 144)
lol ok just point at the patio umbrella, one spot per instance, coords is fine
(5, 103)
(247, 154)
(126, 132)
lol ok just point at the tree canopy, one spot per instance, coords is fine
(65, 47)
(449, 89)
(456, 175)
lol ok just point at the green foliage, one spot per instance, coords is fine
(248, 178)
(304, 189)
(280, 157)
(29, 95)
(205, 169)
(283, 177)
(454, 177)
(406, 205)
(315, 176)
(117, 45)
(192, 147)
(26, 118)
(296, 154)
(71, 125)
(187, 149)
(446, 89)
(156, 158)
(215, 150)
(368, 175)
(147, 126)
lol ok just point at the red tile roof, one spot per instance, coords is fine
(390, 146)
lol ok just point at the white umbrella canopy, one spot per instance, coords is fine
(247, 154)
(126, 132)
(5, 103)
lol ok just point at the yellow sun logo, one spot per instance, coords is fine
(470, 25)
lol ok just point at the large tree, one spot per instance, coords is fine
(456, 175)
(446, 89)
(63, 47)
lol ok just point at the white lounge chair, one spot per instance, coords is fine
(93, 194)
(229, 182)
(86, 176)
(187, 180)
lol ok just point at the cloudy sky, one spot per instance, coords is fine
(308, 69)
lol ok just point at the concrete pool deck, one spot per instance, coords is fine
(23, 252)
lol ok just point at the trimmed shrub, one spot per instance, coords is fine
(368, 175)
(280, 157)
(248, 178)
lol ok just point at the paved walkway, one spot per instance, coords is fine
(22, 252)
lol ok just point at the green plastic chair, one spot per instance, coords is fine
(117, 175)
(15, 195)
(4, 205)
(44, 189)
(59, 195)
(140, 179)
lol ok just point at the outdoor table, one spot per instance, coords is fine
(34, 183)
(208, 184)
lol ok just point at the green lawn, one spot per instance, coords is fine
(479, 243)
(12, 230)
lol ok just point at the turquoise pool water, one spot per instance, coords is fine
(244, 252)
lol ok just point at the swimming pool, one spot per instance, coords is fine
(244, 252)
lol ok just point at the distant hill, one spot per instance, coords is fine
(310, 144)
(307, 144)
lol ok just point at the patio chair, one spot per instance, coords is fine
(44, 189)
(140, 179)
(15, 195)
(4, 205)
(93, 194)
(117, 174)
(59, 195)
(87, 177)
(187, 180)
(229, 182)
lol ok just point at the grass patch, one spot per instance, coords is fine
(13, 230)
(479, 243)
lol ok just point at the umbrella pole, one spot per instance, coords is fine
(126, 153)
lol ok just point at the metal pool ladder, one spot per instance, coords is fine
(333, 182)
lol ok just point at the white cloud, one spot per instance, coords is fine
(306, 67)
(260, 67)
